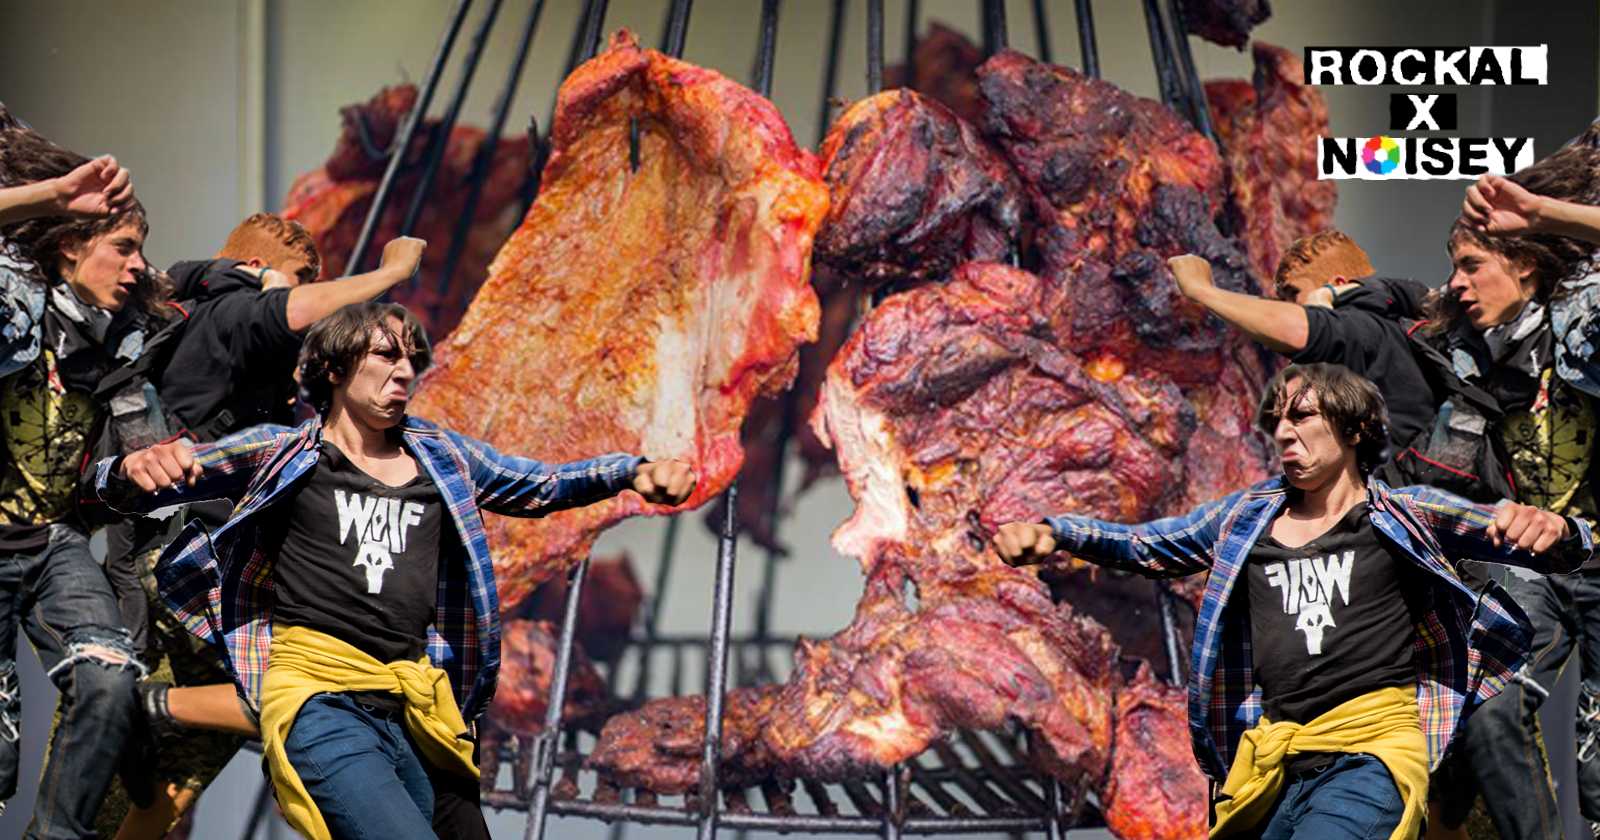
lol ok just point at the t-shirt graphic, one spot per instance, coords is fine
(380, 527)
(1308, 587)
(1332, 619)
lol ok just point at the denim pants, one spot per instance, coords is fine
(1501, 741)
(59, 596)
(361, 769)
(1353, 798)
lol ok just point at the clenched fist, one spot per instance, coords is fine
(402, 256)
(95, 190)
(1192, 273)
(1528, 527)
(161, 466)
(664, 482)
(1023, 543)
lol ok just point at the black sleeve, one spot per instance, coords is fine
(255, 327)
(1346, 337)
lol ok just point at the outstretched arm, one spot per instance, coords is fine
(175, 473)
(311, 302)
(1513, 534)
(525, 487)
(1165, 548)
(96, 189)
(1499, 207)
(1280, 326)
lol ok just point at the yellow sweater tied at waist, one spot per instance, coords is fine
(1382, 723)
(304, 662)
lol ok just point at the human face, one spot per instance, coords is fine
(1299, 283)
(1491, 288)
(376, 393)
(1311, 449)
(105, 269)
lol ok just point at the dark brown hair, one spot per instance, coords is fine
(27, 157)
(339, 343)
(1572, 173)
(1351, 404)
(274, 240)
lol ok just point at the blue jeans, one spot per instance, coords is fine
(1502, 742)
(1354, 797)
(361, 769)
(60, 597)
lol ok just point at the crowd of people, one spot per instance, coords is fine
(1381, 623)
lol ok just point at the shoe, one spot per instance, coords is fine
(151, 726)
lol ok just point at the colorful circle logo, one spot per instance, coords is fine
(1380, 155)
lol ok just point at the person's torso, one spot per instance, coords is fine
(1332, 619)
(226, 362)
(356, 558)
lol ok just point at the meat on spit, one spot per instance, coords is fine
(333, 200)
(637, 310)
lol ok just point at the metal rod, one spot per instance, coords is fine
(1191, 77)
(594, 29)
(717, 667)
(491, 144)
(441, 132)
(1089, 52)
(766, 48)
(908, 74)
(1052, 798)
(402, 141)
(893, 810)
(258, 812)
(676, 33)
(874, 46)
(1161, 55)
(1041, 32)
(1169, 634)
(994, 26)
(544, 744)
(830, 73)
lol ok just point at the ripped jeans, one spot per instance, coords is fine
(60, 597)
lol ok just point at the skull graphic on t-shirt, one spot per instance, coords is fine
(380, 525)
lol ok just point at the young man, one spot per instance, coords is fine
(74, 297)
(1359, 327)
(232, 368)
(1337, 650)
(352, 590)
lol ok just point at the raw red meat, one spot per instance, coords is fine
(333, 200)
(527, 664)
(638, 311)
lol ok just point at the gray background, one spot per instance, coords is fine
(217, 104)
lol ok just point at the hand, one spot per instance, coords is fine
(161, 466)
(1499, 207)
(1023, 543)
(96, 189)
(1324, 296)
(402, 256)
(1193, 275)
(1527, 527)
(664, 482)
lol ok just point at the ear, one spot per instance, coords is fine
(255, 262)
(71, 254)
(1340, 280)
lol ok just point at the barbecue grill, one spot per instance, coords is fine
(975, 782)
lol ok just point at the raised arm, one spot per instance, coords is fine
(311, 302)
(1500, 207)
(1171, 547)
(515, 486)
(96, 189)
(176, 473)
(1280, 326)
(1509, 533)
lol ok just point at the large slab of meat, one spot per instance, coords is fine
(944, 65)
(333, 200)
(1225, 22)
(1269, 128)
(637, 310)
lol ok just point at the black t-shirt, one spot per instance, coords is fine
(1363, 333)
(1331, 620)
(237, 352)
(358, 559)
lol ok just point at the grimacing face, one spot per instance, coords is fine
(377, 391)
(104, 270)
(1311, 449)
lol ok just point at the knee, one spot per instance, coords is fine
(100, 669)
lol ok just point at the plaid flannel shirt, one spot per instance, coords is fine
(1467, 646)
(220, 584)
